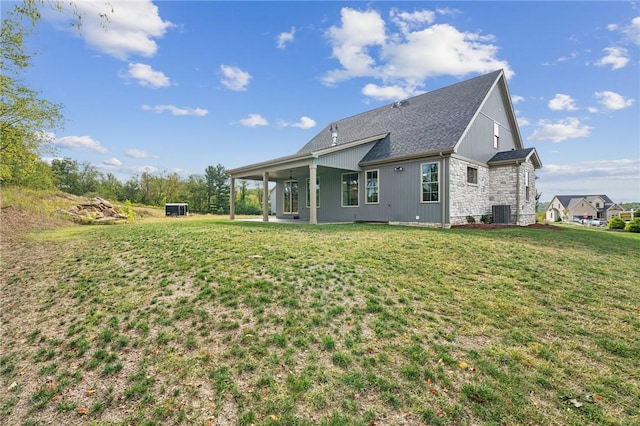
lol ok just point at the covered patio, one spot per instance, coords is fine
(344, 157)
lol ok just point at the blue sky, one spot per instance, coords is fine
(180, 85)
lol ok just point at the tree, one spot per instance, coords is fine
(196, 189)
(217, 184)
(24, 117)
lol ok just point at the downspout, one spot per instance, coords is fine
(444, 191)
(517, 193)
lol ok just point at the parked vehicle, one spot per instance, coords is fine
(597, 222)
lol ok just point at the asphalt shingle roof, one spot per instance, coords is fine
(512, 155)
(425, 123)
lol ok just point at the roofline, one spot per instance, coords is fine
(439, 152)
(301, 157)
(519, 160)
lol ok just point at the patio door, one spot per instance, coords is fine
(290, 197)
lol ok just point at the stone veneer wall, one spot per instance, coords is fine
(496, 186)
(466, 199)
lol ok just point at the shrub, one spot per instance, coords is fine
(485, 218)
(616, 223)
(471, 219)
(633, 226)
(127, 210)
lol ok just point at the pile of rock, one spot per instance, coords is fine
(95, 210)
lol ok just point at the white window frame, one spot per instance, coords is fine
(317, 192)
(422, 200)
(472, 183)
(496, 135)
(366, 189)
(342, 182)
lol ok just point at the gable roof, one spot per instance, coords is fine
(515, 155)
(565, 200)
(431, 122)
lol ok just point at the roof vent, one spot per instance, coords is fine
(334, 134)
(398, 104)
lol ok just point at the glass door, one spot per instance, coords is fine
(291, 196)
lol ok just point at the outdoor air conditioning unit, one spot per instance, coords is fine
(501, 214)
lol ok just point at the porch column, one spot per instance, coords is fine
(265, 197)
(232, 199)
(313, 213)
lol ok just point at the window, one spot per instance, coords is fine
(317, 193)
(373, 187)
(472, 175)
(430, 182)
(526, 185)
(290, 196)
(496, 135)
(350, 183)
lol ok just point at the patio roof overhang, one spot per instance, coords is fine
(281, 167)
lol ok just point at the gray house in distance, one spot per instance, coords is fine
(432, 159)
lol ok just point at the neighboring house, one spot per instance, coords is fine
(433, 159)
(568, 208)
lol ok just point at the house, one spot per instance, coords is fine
(433, 159)
(568, 208)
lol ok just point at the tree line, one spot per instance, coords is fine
(205, 193)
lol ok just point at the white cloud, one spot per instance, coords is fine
(112, 162)
(613, 101)
(284, 38)
(233, 78)
(382, 93)
(406, 58)
(304, 123)
(408, 21)
(130, 28)
(561, 130)
(631, 31)
(80, 143)
(147, 76)
(158, 109)
(562, 103)
(254, 120)
(515, 99)
(616, 178)
(136, 153)
(616, 57)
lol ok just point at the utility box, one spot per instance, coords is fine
(176, 209)
(501, 214)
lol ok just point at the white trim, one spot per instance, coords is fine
(422, 201)
(366, 186)
(341, 189)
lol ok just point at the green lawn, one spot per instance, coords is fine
(203, 321)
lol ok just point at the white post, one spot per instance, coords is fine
(313, 213)
(232, 199)
(265, 197)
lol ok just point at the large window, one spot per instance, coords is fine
(430, 183)
(350, 183)
(317, 193)
(290, 196)
(373, 187)
(472, 175)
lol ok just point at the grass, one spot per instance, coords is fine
(199, 321)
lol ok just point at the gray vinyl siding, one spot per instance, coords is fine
(347, 159)
(477, 144)
(399, 197)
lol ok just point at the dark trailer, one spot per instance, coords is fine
(176, 209)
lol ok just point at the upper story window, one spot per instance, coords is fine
(350, 183)
(430, 182)
(373, 187)
(496, 135)
(472, 175)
